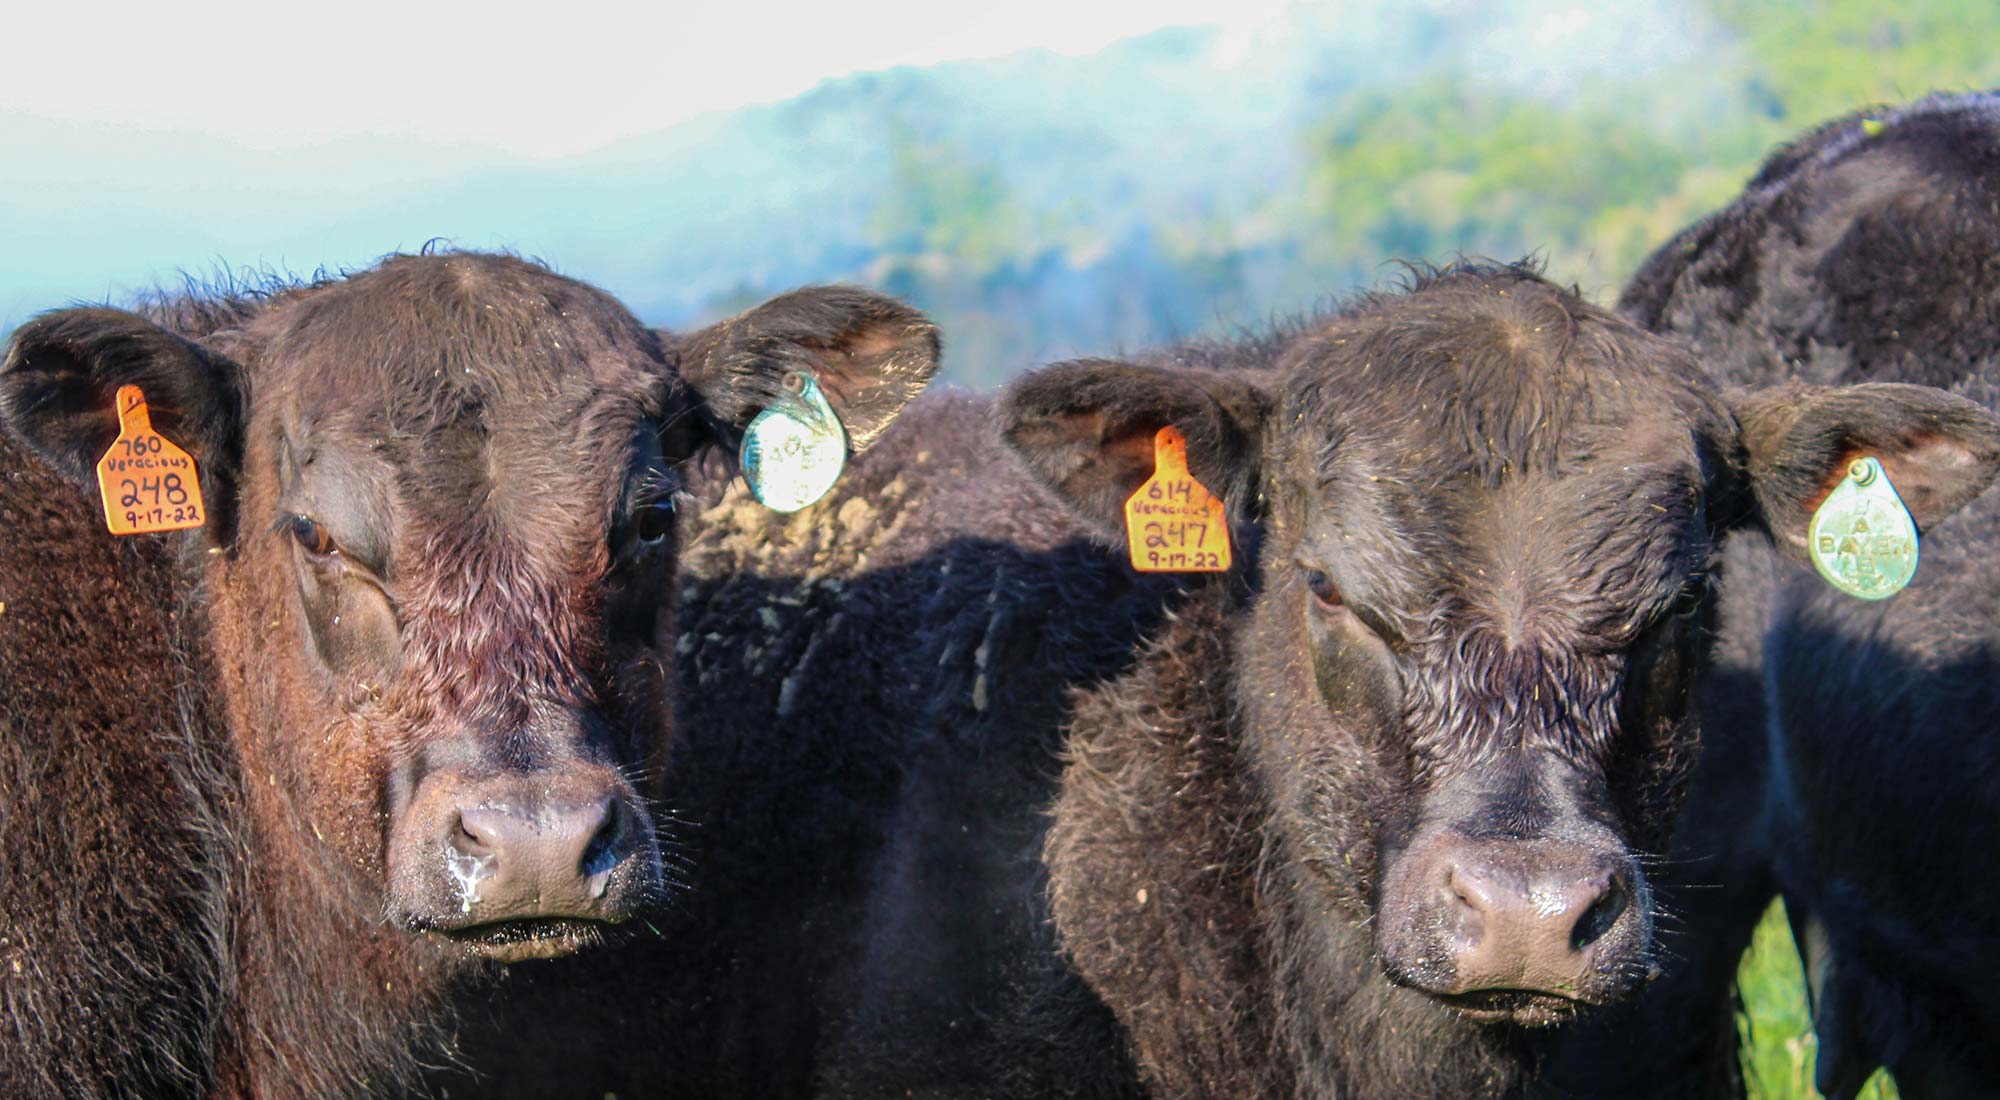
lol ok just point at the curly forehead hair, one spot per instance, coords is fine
(1492, 363)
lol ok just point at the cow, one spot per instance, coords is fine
(1857, 763)
(1500, 566)
(977, 809)
(396, 709)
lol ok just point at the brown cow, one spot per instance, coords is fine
(400, 704)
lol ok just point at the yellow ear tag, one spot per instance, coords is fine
(148, 484)
(1172, 523)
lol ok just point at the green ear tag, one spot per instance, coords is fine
(1862, 538)
(792, 457)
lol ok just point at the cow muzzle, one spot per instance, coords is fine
(1526, 931)
(520, 866)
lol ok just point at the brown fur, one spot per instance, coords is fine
(211, 737)
(876, 686)
(973, 810)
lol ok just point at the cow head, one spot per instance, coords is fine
(441, 553)
(1475, 524)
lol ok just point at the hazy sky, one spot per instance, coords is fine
(535, 78)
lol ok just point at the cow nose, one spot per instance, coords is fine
(522, 864)
(551, 859)
(1539, 928)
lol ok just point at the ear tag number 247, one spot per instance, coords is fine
(1173, 523)
(147, 483)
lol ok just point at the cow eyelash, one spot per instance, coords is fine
(1692, 595)
(658, 496)
(657, 483)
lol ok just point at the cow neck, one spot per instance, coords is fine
(1152, 858)
(303, 939)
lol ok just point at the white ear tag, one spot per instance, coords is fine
(1862, 538)
(791, 462)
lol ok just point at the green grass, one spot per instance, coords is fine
(1778, 1044)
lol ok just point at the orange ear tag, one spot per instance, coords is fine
(1173, 523)
(148, 484)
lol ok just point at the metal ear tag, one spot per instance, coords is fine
(790, 461)
(1862, 539)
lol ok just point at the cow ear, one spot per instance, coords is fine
(1086, 430)
(869, 354)
(1939, 450)
(60, 379)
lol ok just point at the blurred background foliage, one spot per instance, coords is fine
(1040, 205)
(1426, 162)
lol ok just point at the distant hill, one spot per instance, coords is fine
(726, 205)
(1042, 205)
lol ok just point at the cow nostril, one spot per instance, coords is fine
(1602, 914)
(467, 840)
(605, 848)
(1477, 890)
(1467, 905)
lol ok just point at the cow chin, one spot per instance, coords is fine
(521, 941)
(1516, 1007)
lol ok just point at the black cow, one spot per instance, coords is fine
(1862, 252)
(974, 809)
(400, 703)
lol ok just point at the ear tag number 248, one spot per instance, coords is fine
(1173, 523)
(147, 483)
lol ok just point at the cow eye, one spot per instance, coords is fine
(1322, 588)
(1691, 596)
(656, 521)
(310, 536)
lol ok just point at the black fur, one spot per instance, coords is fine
(877, 689)
(891, 690)
(1516, 497)
(1862, 252)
